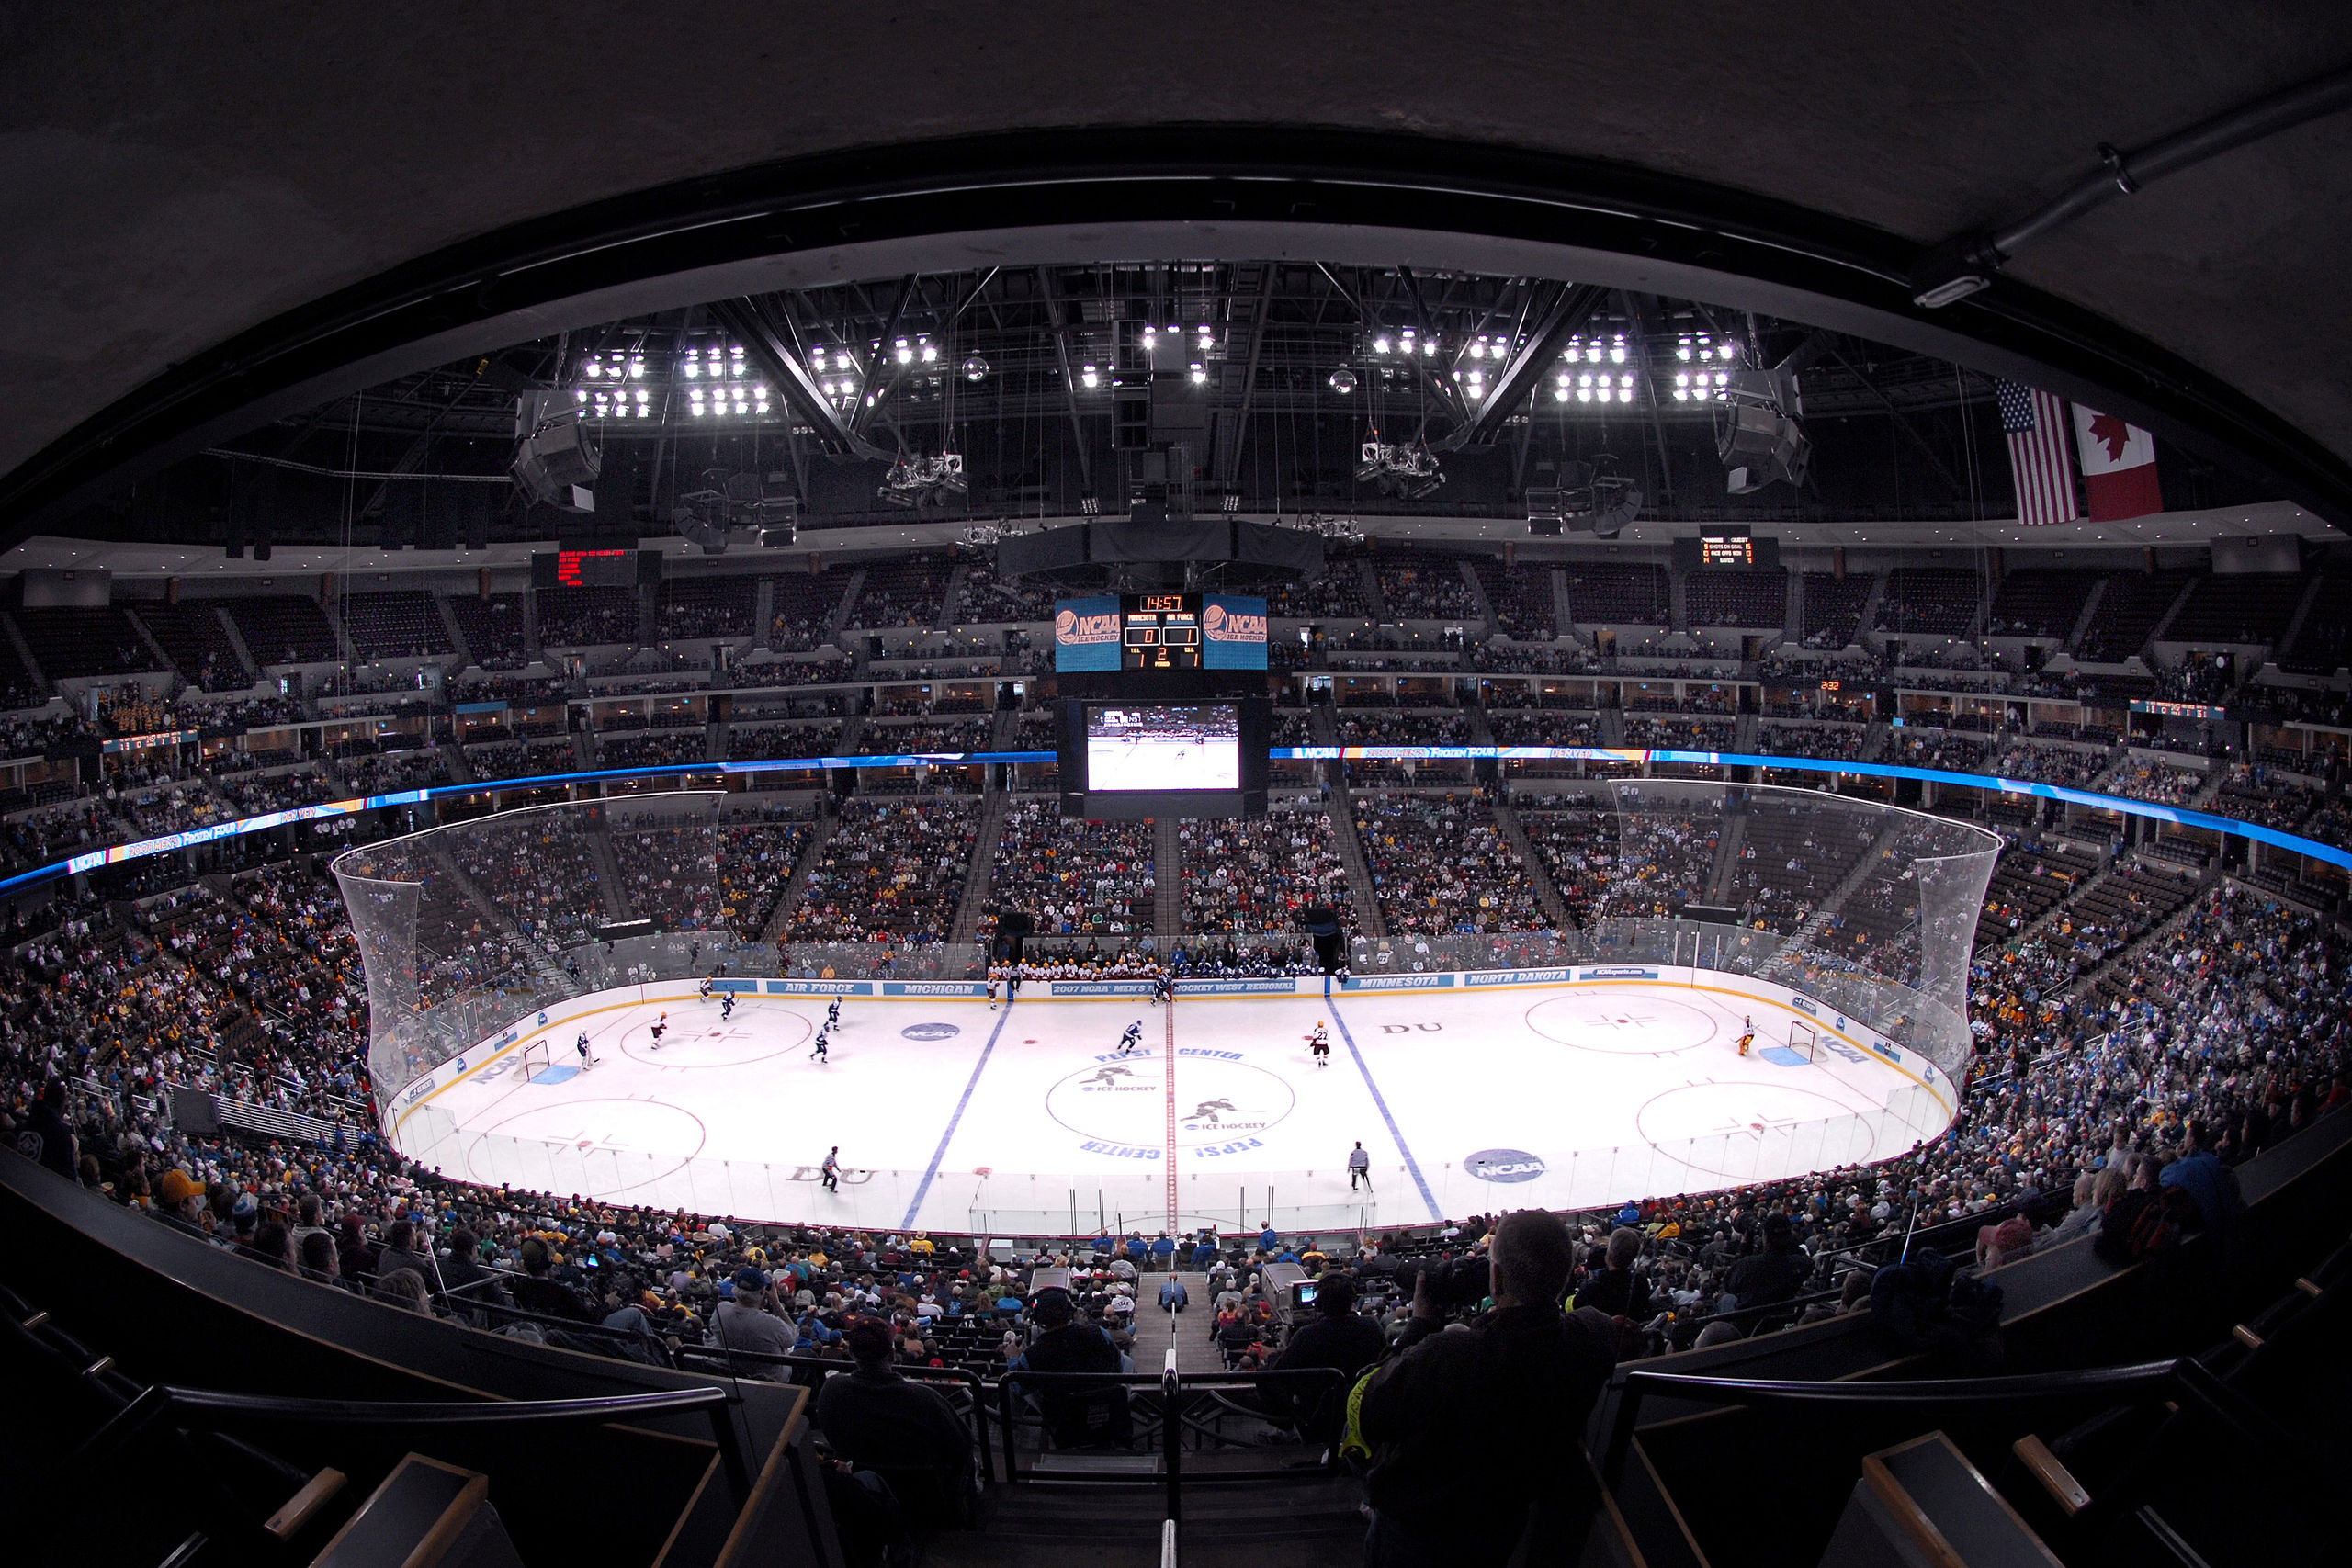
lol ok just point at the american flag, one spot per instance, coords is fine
(2040, 457)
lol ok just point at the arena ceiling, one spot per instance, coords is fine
(212, 227)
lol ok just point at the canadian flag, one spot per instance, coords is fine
(2118, 466)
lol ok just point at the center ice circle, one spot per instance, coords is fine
(1125, 1101)
(1621, 1021)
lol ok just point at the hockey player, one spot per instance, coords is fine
(581, 1045)
(994, 975)
(702, 991)
(726, 1007)
(1163, 987)
(819, 1051)
(1132, 1038)
(834, 1014)
(661, 1027)
(1748, 1036)
(1318, 1044)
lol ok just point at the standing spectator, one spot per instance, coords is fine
(1491, 1411)
(45, 1137)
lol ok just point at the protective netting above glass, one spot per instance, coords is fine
(466, 928)
(1871, 908)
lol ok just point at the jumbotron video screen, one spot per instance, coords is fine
(1156, 746)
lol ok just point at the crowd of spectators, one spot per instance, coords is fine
(1261, 874)
(1937, 749)
(893, 872)
(1074, 876)
(2062, 765)
(657, 749)
(2157, 782)
(1441, 864)
(1424, 588)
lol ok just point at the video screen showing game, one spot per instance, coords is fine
(1162, 747)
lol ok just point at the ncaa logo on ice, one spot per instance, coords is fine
(1504, 1164)
(931, 1031)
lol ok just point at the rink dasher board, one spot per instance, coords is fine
(551, 1024)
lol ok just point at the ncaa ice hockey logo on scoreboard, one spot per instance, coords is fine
(1074, 630)
(1221, 625)
(1504, 1164)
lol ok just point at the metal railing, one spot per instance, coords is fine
(2145, 1378)
(826, 1365)
(206, 1409)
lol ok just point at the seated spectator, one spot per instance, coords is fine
(404, 1288)
(1617, 1289)
(1996, 1244)
(400, 1252)
(2082, 1218)
(1336, 1337)
(1075, 1416)
(1772, 1276)
(905, 1432)
(538, 1291)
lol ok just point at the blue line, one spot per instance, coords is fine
(1411, 1163)
(940, 1152)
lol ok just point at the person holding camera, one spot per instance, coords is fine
(1493, 1409)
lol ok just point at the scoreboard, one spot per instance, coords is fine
(1726, 546)
(594, 568)
(1159, 631)
(1159, 634)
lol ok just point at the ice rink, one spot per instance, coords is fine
(1025, 1120)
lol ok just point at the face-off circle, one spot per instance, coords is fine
(623, 1144)
(1625, 1023)
(1124, 1101)
(697, 1039)
(1719, 1127)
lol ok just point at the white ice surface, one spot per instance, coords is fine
(953, 1116)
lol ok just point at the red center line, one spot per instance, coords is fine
(1167, 1075)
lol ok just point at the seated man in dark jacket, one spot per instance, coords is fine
(1076, 1414)
(1334, 1337)
(537, 1290)
(1490, 1412)
(904, 1431)
(1774, 1275)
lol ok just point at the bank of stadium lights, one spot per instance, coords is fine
(920, 349)
(1406, 342)
(1089, 378)
(619, 402)
(1593, 386)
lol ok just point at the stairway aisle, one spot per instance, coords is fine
(1167, 883)
(1187, 1332)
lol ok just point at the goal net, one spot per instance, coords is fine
(535, 1059)
(1802, 1041)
